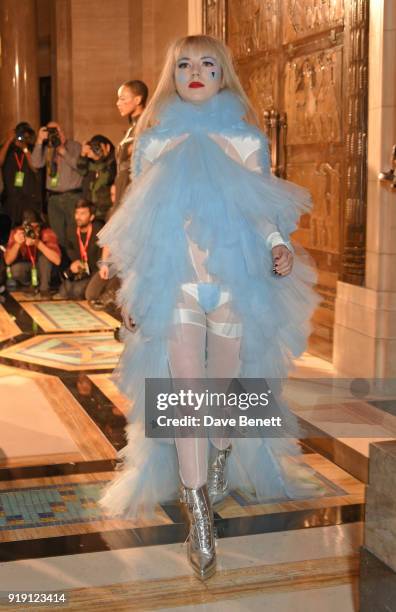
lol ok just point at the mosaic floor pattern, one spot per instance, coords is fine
(49, 492)
(93, 351)
(71, 502)
(68, 316)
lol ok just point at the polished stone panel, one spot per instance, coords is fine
(364, 332)
(380, 530)
(377, 584)
(18, 67)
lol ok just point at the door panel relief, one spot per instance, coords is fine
(303, 64)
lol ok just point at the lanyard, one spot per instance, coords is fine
(84, 247)
(19, 161)
(32, 256)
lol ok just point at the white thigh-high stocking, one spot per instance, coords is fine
(223, 346)
(186, 351)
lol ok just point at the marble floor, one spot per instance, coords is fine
(58, 450)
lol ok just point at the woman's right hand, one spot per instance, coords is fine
(104, 272)
(128, 321)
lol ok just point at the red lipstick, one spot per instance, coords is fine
(196, 84)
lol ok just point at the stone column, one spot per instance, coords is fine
(365, 317)
(19, 98)
(195, 17)
(62, 66)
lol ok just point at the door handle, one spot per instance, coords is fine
(390, 175)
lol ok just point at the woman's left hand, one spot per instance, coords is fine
(282, 259)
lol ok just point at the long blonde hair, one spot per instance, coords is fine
(166, 84)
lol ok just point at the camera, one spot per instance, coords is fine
(74, 276)
(53, 137)
(29, 231)
(96, 148)
(20, 134)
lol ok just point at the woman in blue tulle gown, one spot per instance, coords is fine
(201, 244)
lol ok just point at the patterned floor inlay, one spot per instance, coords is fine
(63, 501)
(94, 351)
(106, 385)
(21, 296)
(51, 505)
(68, 316)
(8, 327)
(61, 504)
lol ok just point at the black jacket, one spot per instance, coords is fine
(73, 247)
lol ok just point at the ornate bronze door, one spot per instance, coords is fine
(304, 66)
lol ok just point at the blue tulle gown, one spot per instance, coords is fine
(180, 173)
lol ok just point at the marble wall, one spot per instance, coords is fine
(98, 45)
(365, 319)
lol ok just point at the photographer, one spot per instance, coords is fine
(83, 252)
(22, 181)
(63, 183)
(98, 167)
(31, 252)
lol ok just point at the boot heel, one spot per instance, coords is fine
(218, 488)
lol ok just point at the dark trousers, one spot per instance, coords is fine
(97, 287)
(73, 290)
(22, 270)
(61, 213)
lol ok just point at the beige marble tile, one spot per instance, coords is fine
(169, 561)
(365, 296)
(377, 323)
(380, 271)
(381, 215)
(389, 66)
(381, 133)
(325, 599)
(354, 353)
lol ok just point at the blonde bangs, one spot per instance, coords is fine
(207, 45)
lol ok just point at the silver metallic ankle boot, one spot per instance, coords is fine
(201, 551)
(217, 484)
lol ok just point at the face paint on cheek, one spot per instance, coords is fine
(214, 74)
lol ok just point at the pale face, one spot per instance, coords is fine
(127, 102)
(198, 76)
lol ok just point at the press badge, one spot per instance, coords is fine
(34, 277)
(54, 181)
(19, 177)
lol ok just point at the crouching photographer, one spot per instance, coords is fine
(31, 253)
(83, 252)
(98, 167)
